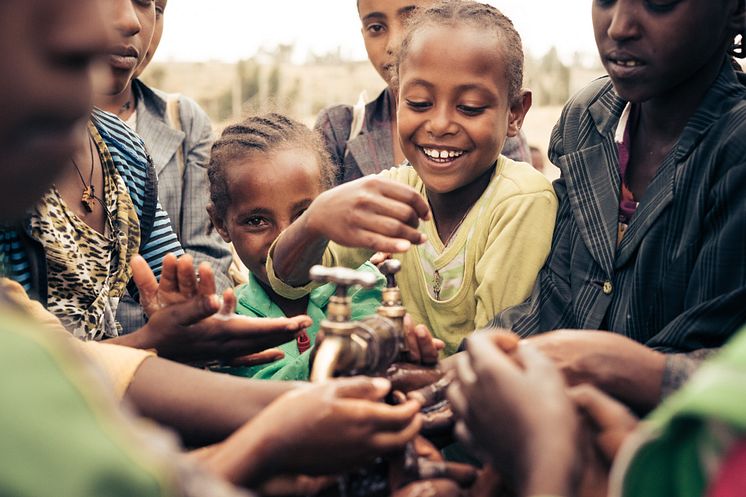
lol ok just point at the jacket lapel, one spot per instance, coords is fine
(660, 193)
(371, 150)
(593, 183)
(153, 129)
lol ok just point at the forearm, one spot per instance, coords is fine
(296, 250)
(204, 407)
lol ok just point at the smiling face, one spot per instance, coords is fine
(133, 22)
(45, 91)
(651, 47)
(383, 27)
(267, 191)
(454, 110)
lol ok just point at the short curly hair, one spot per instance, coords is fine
(261, 134)
(473, 14)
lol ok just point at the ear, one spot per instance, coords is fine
(518, 111)
(219, 224)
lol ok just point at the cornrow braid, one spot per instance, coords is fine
(473, 14)
(263, 135)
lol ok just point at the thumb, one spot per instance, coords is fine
(361, 387)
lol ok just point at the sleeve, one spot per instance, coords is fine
(161, 241)
(119, 363)
(333, 124)
(517, 246)
(198, 238)
(334, 255)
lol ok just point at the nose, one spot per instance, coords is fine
(393, 42)
(624, 24)
(441, 122)
(124, 18)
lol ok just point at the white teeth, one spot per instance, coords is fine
(442, 154)
(628, 63)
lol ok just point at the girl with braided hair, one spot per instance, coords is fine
(264, 173)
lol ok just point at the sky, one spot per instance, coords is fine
(230, 30)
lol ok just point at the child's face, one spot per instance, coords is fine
(155, 41)
(45, 91)
(133, 22)
(454, 112)
(383, 28)
(267, 192)
(650, 47)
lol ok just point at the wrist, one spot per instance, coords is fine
(553, 469)
(244, 459)
(139, 339)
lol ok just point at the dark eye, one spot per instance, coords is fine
(661, 5)
(375, 28)
(472, 110)
(605, 3)
(418, 105)
(159, 11)
(255, 222)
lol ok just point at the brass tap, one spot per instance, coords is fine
(349, 347)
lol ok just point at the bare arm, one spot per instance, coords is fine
(203, 407)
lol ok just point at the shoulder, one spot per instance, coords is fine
(120, 139)
(402, 174)
(336, 118)
(520, 178)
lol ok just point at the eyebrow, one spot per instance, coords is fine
(407, 9)
(460, 88)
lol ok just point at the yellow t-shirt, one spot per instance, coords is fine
(490, 263)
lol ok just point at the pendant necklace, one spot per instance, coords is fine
(88, 197)
(437, 278)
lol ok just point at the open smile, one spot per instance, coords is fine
(442, 155)
(623, 65)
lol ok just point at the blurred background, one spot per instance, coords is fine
(298, 56)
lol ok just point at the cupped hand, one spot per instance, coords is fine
(333, 426)
(515, 413)
(371, 212)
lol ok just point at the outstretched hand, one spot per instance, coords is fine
(188, 322)
(515, 412)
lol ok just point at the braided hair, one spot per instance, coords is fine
(472, 14)
(261, 135)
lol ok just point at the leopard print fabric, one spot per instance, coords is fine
(88, 271)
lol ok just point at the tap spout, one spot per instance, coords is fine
(327, 358)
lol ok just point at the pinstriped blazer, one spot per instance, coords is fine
(677, 281)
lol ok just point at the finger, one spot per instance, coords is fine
(538, 366)
(389, 227)
(186, 277)
(428, 352)
(361, 387)
(263, 357)
(464, 370)
(206, 283)
(606, 412)
(486, 360)
(146, 283)
(385, 442)
(456, 398)
(433, 393)
(406, 195)
(464, 435)
(390, 208)
(169, 281)
(411, 338)
(463, 474)
(505, 340)
(228, 307)
(375, 241)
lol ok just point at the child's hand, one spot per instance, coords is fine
(372, 212)
(519, 417)
(423, 347)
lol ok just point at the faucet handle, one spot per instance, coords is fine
(342, 276)
(389, 268)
